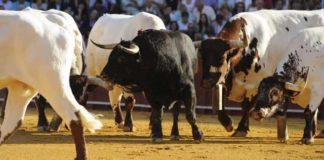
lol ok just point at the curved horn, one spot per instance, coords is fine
(99, 82)
(300, 83)
(134, 49)
(104, 46)
(293, 87)
(236, 43)
(243, 42)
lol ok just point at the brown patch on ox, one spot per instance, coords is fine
(78, 136)
(232, 29)
(10, 134)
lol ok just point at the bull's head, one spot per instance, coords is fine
(220, 54)
(271, 95)
(217, 55)
(123, 63)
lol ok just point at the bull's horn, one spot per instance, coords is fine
(133, 49)
(104, 46)
(293, 87)
(236, 43)
(197, 44)
(98, 82)
(243, 42)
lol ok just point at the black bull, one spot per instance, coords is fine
(161, 64)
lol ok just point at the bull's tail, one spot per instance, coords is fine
(89, 122)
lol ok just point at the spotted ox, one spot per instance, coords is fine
(298, 78)
(111, 29)
(246, 51)
(161, 64)
(31, 36)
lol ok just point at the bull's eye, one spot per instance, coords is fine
(274, 94)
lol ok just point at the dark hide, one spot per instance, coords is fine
(163, 69)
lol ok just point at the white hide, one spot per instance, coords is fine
(36, 54)
(270, 28)
(311, 56)
(111, 29)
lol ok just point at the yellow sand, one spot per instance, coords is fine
(112, 143)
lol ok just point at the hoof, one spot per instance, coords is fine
(320, 135)
(198, 141)
(129, 129)
(42, 128)
(307, 141)
(120, 125)
(283, 139)
(239, 134)
(199, 138)
(54, 127)
(229, 128)
(157, 140)
(175, 138)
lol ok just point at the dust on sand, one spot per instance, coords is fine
(113, 143)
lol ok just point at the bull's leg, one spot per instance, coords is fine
(55, 122)
(18, 98)
(78, 136)
(314, 124)
(78, 84)
(243, 127)
(190, 106)
(42, 124)
(175, 130)
(222, 115)
(282, 127)
(129, 103)
(73, 114)
(115, 97)
(308, 136)
(2, 114)
(156, 118)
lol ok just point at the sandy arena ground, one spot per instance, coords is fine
(112, 143)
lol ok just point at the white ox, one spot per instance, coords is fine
(53, 41)
(299, 77)
(247, 50)
(111, 29)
